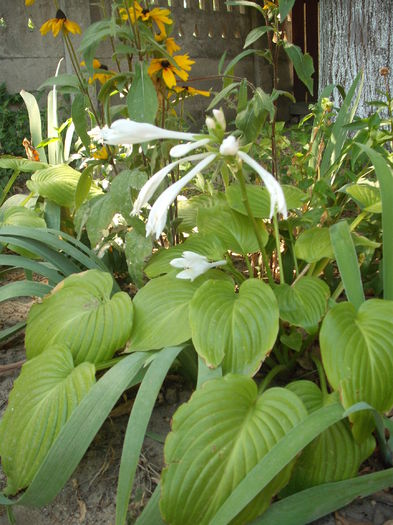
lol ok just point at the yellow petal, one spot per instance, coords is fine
(47, 26)
(171, 45)
(184, 62)
(155, 65)
(57, 25)
(72, 27)
(169, 77)
(180, 73)
(29, 2)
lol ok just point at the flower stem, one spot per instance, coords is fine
(257, 231)
(277, 236)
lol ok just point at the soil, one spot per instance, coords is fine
(89, 496)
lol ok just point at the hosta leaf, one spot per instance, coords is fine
(21, 164)
(234, 230)
(235, 330)
(137, 248)
(161, 311)
(188, 210)
(366, 196)
(208, 245)
(216, 439)
(47, 391)
(259, 199)
(334, 455)
(304, 303)
(20, 216)
(357, 353)
(81, 314)
(313, 245)
(58, 183)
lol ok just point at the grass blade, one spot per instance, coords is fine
(311, 504)
(347, 261)
(151, 513)
(7, 332)
(136, 427)
(23, 289)
(17, 261)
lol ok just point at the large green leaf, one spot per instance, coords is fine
(188, 209)
(234, 230)
(208, 245)
(57, 183)
(285, 7)
(21, 164)
(357, 353)
(368, 197)
(161, 311)
(334, 455)
(259, 199)
(313, 245)
(42, 400)
(216, 439)
(81, 314)
(302, 63)
(304, 303)
(34, 121)
(142, 99)
(235, 330)
(23, 217)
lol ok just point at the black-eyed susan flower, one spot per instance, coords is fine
(171, 45)
(188, 90)
(62, 23)
(157, 15)
(169, 71)
(102, 73)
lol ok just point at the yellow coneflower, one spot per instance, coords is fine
(169, 71)
(188, 90)
(62, 23)
(100, 75)
(171, 45)
(29, 2)
(157, 15)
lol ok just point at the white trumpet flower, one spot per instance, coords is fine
(193, 265)
(182, 149)
(125, 131)
(159, 211)
(150, 187)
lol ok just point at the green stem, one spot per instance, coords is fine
(322, 377)
(337, 292)
(270, 376)
(257, 231)
(277, 236)
(292, 247)
(8, 186)
(357, 221)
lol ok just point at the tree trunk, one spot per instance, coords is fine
(356, 35)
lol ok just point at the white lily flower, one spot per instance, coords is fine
(130, 132)
(220, 118)
(158, 213)
(229, 146)
(273, 187)
(194, 265)
(150, 187)
(210, 123)
(182, 149)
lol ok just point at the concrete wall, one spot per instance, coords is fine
(204, 28)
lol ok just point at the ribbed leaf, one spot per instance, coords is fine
(334, 455)
(23, 217)
(34, 121)
(188, 210)
(142, 99)
(357, 353)
(304, 303)
(259, 199)
(366, 196)
(161, 311)
(58, 184)
(208, 245)
(80, 313)
(234, 230)
(216, 439)
(21, 164)
(47, 391)
(137, 248)
(313, 245)
(235, 330)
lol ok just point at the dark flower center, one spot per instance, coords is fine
(60, 15)
(145, 11)
(103, 66)
(165, 63)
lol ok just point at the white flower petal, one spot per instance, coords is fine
(229, 146)
(210, 123)
(276, 194)
(150, 187)
(220, 118)
(125, 131)
(194, 264)
(158, 213)
(182, 149)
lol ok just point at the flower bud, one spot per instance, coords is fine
(220, 118)
(210, 124)
(229, 146)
